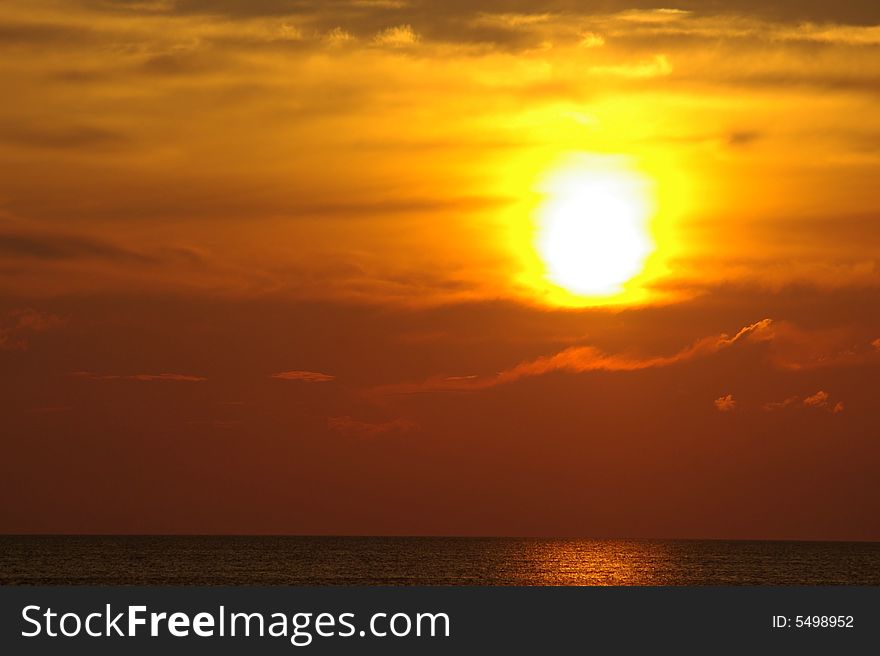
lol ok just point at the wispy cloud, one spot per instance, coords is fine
(789, 347)
(396, 37)
(338, 36)
(54, 247)
(163, 377)
(16, 327)
(364, 429)
(61, 247)
(819, 400)
(797, 349)
(661, 15)
(578, 359)
(778, 405)
(656, 66)
(303, 376)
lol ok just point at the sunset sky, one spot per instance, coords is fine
(281, 266)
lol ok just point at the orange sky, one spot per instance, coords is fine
(275, 266)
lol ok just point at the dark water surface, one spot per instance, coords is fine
(430, 561)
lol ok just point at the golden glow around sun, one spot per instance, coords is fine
(593, 234)
(596, 229)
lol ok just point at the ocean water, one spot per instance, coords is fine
(165, 560)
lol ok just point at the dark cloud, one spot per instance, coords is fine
(480, 23)
(66, 247)
(806, 79)
(62, 247)
(863, 12)
(177, 64)
(346, 209)
(35, 34)
(71, 137)
(740, 138)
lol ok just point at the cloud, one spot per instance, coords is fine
(381, 4)
(177, 64)
(817, 400)
(778, 405)
(512, 20)
(832, 34)
(338, 36)
(446, 10)
(820, 400)
(163, 377)
(364, 429)
(579, 359)
(725, 403)
(303, 376)
(43, 34)
(17, 325)
(302, 104)
(797, 349)
(380, 207)
(65, 247)
(75, 137)
(591, 40)
(396, 37)
(742, 138)
(656, 66)
(661, 15)
(588, 358)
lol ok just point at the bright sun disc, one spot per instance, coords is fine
(593, 233)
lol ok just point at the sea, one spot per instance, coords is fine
(435, 561)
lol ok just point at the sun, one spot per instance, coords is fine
(592, 231)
